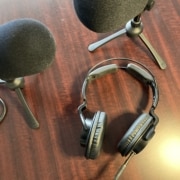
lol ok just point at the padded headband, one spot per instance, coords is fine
(143, 74)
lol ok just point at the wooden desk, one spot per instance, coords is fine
(53, 152)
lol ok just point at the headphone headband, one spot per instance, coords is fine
(143, 74)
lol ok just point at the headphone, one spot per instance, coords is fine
(140, 132)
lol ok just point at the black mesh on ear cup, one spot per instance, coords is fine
(134, 134)
(96, 135)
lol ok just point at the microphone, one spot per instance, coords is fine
(103, 16)
(26, 47)
(107, 15)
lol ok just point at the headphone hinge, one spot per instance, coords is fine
(81, 108)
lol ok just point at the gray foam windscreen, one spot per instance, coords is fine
(26, 47)
(107, 15)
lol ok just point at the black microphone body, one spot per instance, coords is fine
(26, 47)
(107, 15)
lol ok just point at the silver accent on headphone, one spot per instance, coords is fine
(4, 110)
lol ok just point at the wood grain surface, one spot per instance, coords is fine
(53, 152)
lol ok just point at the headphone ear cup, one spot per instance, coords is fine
(96, 135)
(135, 138)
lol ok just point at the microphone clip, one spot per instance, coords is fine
(15, 83)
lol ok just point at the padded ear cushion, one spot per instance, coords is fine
(134, 134)
(96, 135)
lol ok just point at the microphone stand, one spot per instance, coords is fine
(133, 29)
(17, 84)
